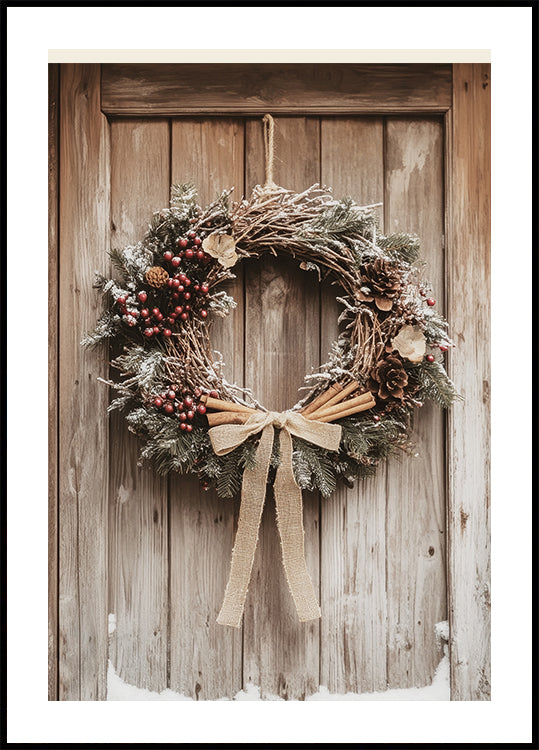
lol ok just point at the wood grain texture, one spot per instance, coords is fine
(281, 655)
(138, 510)
(468, 265)
(416, 575)
(353, 521)
(254, 89)
(205, 658)
(83, 434)
(54, 82)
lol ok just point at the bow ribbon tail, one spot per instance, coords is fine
(288, 501)
(253, 495)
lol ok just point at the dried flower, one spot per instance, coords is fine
(222, 247)
(410, 343)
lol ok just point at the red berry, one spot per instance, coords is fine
(121, 300)
(183, 426)
(430, 357)
(155, 329)
(190, 414)
(197, 287)
(171, 394)
(155, 311)
(187, 307)
(189, 253)
(203, 313)
(178, 310)
(197, 241)
(204, 288)
(187, 295)
(157, 401)
(201, 409)
(376, 418)
(187, 282)
(145, 313)
(167, 332)
(180, 288)
(188, 402)
(198, 392)
(142, 296)
(171, 320)
(188, 427)
(431, 302)
(183, 416)
(169, 408)
(184, 316)
(175, 295)
(200, 254)
(148, 332)
(170, 283)
(159, 317)
(175, 283)
(214, 394)
(182, 242)
(176, 261)
(182, 277)
(443, 348)
(192, 234)
(167, 255)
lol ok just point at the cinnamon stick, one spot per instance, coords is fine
(346, 391)
(347, 412)
(323, 398)
(219, 405)
(325, 411)
(226, 417)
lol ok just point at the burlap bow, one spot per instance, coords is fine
(288, 502)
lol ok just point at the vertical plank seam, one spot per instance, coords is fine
(386, 478)
(319, 493)
(448, 259)
(57, 389)
(446, 304)
(168, 487)
(244, 373)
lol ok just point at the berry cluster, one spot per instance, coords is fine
(131, 313)
(158, 311)
(182, 403)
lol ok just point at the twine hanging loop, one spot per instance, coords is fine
(269, 128)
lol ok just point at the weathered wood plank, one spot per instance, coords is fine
(416, 575)
(468, 266)
(205, 658)
(353, 544)
(54, 82)
(138, 510)
(281, 655)
(174, 89)
(82, 405)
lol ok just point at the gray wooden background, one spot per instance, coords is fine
(392, 556)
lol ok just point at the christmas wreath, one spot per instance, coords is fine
(358, 406)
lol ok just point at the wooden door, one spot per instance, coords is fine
(146, 558)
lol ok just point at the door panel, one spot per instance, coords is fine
(156, 553)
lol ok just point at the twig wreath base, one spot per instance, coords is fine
(386, 362)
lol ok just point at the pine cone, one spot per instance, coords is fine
(381, 282)
(389, 379)
(156, 276)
